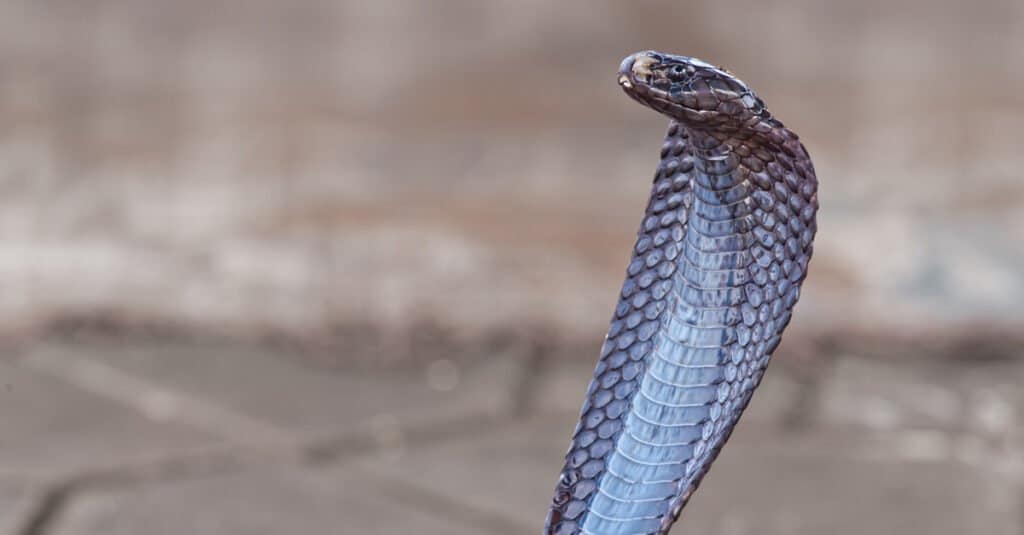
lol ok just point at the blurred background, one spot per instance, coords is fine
(344, 267)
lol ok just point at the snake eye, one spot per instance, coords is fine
(676, 72)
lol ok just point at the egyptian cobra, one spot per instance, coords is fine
(716, 270)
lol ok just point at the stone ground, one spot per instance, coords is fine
(124, 436)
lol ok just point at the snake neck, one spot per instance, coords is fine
(764, 137)
(746, 160)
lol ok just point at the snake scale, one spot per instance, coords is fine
(716, 270)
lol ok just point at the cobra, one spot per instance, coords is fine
(716, 270)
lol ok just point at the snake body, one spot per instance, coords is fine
(716, 270)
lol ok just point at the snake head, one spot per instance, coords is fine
(686, 89)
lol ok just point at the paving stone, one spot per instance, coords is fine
(258, 393)
(16, 503)
(53, 429)
(269, 502)
(508, 473)
(991, 391)
(946, 459)
(974, 396)
(767, 482)
(826, 482)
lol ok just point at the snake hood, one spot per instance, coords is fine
(695, 93)
(722, 250)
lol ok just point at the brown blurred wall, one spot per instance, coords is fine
(302, 166)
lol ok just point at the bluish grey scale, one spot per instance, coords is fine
(727, 196)
(646, 295)
(716, 270)
(686, 356)
(728, 243)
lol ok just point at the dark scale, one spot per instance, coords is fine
(716, 269)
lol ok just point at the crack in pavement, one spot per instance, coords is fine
(206, 462)
(155, 402)
(249, 441)
(45, 511)
(429, 501)
(253, 443)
